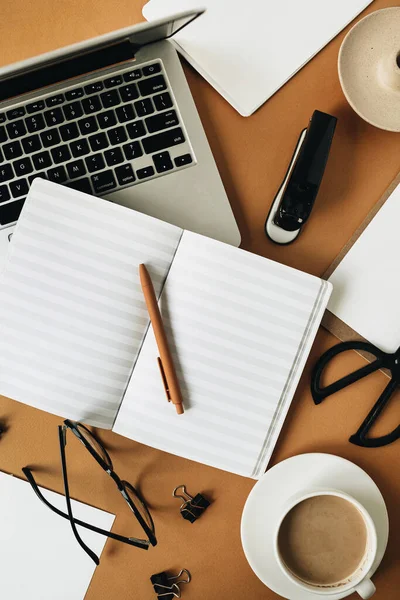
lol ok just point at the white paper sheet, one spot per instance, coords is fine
(248, 50)
(241, 328)
(366, 282)
(39, 555)
(72, 313)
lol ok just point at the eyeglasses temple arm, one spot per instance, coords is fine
(115, 536)
(62, 440)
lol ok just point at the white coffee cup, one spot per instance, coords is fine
(358, 581)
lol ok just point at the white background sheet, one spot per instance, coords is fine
(39, 555)
(366, 283)
(248, 50)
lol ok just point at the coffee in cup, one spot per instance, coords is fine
(326, 543)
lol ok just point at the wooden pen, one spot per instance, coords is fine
(165, 362)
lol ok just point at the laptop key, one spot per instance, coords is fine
(146, 172)
(152, 85)
(58, 174)
(151, 69)
(60, 154)
(31, 144)
(166, 139)
(55, 100)
(185, 159)
(162, 121)
(69, 132)
(103, 182)
(144, 107)
(132, 150)
(12, 150)
(73, 110)
(74, 94)
(3, 135)
(88, 125)
(162, 162)
(35, 106)
(113, 157)
(54, 117)
(35, 123)
(98, 141)
(2, 118)
(79, 148)
(42, 175)
(82, 185)
(10, 212)
(22, 167)
(107, 119)
(15, 113)
(4, 193)
(91, 105)
(19, 188)
(136, 129)
(125, 113)
(113, 81)
(50, 138)
(41, 160)
(76, 169)
(6, 173)
(132, 75)
(125, 174)
(110, 98)
(162, 101)
(129, 92)
(117, 135)
(95, 163)
(94, 87)
(16, 129)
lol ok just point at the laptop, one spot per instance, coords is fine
(112, 116)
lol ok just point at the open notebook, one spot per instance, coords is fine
(75, 337)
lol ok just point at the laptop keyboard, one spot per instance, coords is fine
(98, 137)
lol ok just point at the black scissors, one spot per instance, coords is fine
(383, 360)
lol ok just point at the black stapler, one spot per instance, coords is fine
(295, 198)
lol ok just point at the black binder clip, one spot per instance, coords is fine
(295, 198)
(164, 588)
(191, 508)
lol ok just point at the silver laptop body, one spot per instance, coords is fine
(112, 116)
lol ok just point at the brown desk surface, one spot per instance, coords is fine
(252, 155)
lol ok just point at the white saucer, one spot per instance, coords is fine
(272, 491)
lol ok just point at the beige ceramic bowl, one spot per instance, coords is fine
(369, 68)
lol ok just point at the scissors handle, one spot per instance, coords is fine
(320, 393)
(360, 437)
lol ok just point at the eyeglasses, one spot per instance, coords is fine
(128, 492)
(382, 360)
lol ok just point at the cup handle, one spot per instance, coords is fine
(365, 589)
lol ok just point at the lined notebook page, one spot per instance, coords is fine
(240, 327)
(72, 311)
